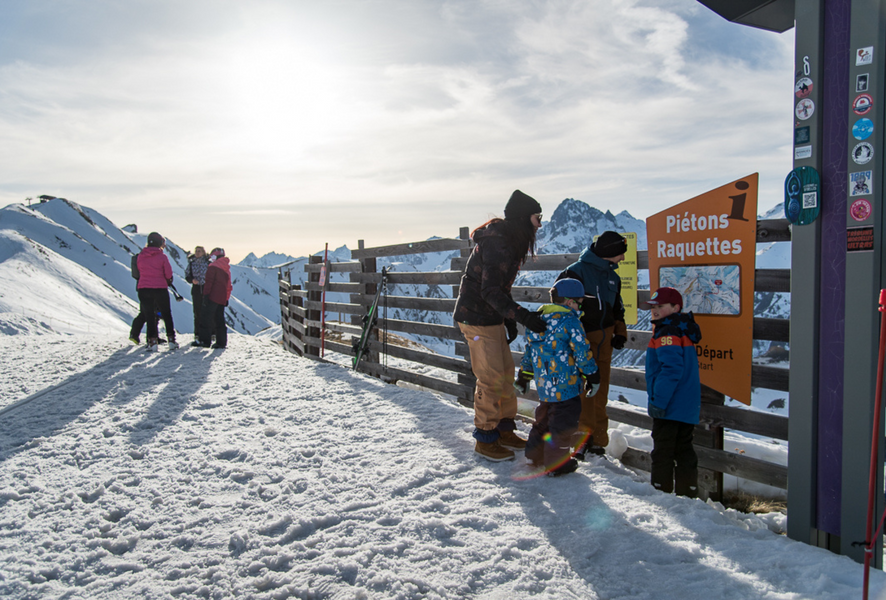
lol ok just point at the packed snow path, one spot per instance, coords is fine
(253, 473)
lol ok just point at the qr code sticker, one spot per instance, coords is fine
(810, 200)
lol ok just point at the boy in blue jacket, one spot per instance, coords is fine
(558, 358)
(674, 390)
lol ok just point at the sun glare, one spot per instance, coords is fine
(283, 98)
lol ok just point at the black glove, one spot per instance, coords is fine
(521, 381)
(655, 412)
(531, 321)
(618, 341)
(592, 383)
(511, 327)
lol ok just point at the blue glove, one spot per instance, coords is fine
(655, 412)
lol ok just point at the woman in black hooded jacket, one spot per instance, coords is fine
(487, 315)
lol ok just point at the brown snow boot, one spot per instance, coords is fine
(509, 439)
(494, 451)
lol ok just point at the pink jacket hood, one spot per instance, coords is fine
(154, 269)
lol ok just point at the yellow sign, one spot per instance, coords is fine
(705, 248)
(627, 270)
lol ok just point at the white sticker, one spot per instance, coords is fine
(805, 108)
(864, 56)
(860, 183)
(862, 153)
(801, 152)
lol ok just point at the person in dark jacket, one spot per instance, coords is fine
(604, 323)
(674, 389)
(487, 315)
(216, 294)
(195, 274)
(155, 275)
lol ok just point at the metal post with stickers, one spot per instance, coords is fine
(835, 202)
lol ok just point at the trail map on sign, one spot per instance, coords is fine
(706, 289)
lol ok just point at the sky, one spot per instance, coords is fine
(254, 473)
(282, 125)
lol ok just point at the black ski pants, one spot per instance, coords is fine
(560, 420)
(673, 458)
(212, 318)
(151, 302)
(197, 302)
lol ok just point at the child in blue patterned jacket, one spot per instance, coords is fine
(561, 361)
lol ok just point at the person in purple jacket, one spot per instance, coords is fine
(155, 275)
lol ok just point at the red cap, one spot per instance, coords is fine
(665, 295)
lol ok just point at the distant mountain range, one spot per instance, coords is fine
(66, 268)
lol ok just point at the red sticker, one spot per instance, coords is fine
(863, 104)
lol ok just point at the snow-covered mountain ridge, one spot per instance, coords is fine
(60, 243)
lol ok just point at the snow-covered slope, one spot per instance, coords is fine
(103, 251)
(42, 291)
(252, 473)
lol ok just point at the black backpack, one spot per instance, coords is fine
(134, 265)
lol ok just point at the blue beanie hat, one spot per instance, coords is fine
(570, 288)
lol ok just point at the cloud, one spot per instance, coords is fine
(358, 113)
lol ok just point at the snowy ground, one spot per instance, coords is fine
(253, 473)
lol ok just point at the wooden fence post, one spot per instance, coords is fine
(296, 302)
(710, 483)
(461, 348)
(313, 315)
(283, 287)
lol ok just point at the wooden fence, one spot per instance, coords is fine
(301, 323)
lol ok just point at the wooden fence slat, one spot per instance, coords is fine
(455, 365)
(440, 245)
(770, 378)
(730, 463)
(440, 385)
(446, 305)
(345, 288)
(712, 415)
(411, 278)
(336, 307)
(347, 267)
(446, 332)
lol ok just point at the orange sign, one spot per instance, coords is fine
(706, 248)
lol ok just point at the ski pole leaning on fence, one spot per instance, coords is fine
(871, 538)
(370, 320)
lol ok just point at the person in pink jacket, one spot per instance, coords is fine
(216, 294)
(155, 275)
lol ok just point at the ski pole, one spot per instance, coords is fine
(872, 483)
(178, 297)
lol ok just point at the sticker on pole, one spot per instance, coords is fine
(802, 200)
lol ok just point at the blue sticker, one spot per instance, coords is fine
(802, 203)
(863, 129)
